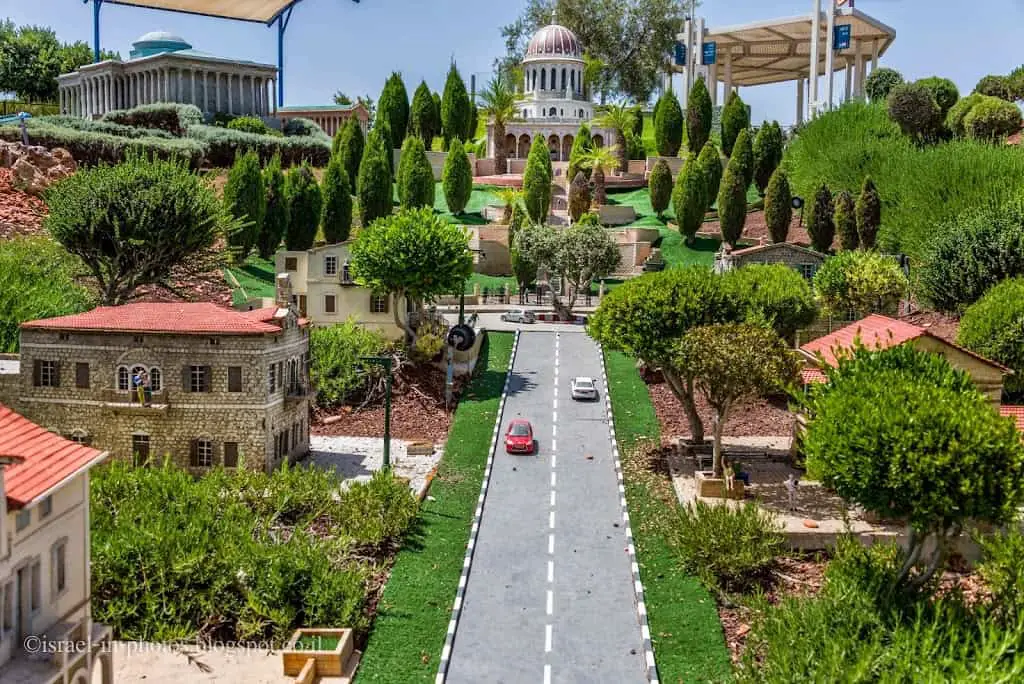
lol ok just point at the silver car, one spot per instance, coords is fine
(584, 388)
(519, 316)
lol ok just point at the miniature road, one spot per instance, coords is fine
(550, 593)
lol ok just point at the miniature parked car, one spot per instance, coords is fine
(519, 437)
(519, 316)
(584, 388)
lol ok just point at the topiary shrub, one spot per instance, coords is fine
(305, 202)
(537, 181)
(732, 204)
(249, 124)
(698, 116)
(301, 127)
(956, 114)
(710, 163)
(373, 184)
(862, 282)
(869, 214)
(996, 86)
(100, 126)
(994, 327)
(689, 199)
(668, 125)
(734, 119)
(767, 150)
(845, 219)
(457, 178)
(422, 120)
(336, 219)
(778, 206)
(222, 144)
(972, 253)
(660, 184)
(943, 90)
(246, 199)
(276, 216)
(820, 225)
(992, 120)
(415, 176)
(579, 195)
(881, 82)
(913, 108)
(173, 118)
(455, 106)
(393, 107)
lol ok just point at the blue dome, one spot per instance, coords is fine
(156, 42)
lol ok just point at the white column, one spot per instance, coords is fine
(179, 95)
(849, 80)
(800, 100)
(167, 84)
(874, 55)
(858, 83)
(216, 88)
(815, 40)
(252, 90)
(830, 25)
(231, 108)
(108, 84)
(273, 93)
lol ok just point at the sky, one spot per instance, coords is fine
(336, 45)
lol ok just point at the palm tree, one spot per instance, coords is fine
(621, 119)
(500, 103)
(599, 159)
(509, 197)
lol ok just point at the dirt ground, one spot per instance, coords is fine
(756, 230)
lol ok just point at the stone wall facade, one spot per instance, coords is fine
(234, 400)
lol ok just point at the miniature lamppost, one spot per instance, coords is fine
(385, 361)
(22, 116)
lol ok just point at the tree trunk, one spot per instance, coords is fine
(600, 196)
(500, 164)
(564, 312)
(404, 325)
(623, 152)
(716, 460)
(683, 390)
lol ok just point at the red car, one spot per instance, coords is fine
(519, 437)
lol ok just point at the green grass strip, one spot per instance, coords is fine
(688, 642)
(412, 617)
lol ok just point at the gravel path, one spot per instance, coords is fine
(358, 458)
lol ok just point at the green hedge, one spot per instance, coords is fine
(91, 148)
(173, 118)
(222, 143)
(92, 126)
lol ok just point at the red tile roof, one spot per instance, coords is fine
(1015, 412)
(875, 331)
(181, 318)
(811, 376)
(44, 459)
(771, 246)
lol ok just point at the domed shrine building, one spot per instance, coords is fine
(163, 67)
(553, 101)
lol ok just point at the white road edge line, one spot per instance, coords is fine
(446, 652)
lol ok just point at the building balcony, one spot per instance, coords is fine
(562, 94)
(297, 391)
(128, 402)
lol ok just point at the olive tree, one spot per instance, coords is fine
(906, 436)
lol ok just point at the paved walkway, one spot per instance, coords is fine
(550, 594)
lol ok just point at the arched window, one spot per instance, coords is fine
(534, 85)
(552, 111)
(572, 80)
(554, 79)
(156, 379)
(123, 379)
(561, 112)
(563, 78)
(543, 79)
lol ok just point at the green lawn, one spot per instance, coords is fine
(685, 630)
(256, 278)
(412, 617)
(492, 283)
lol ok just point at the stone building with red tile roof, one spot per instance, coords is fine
(44, 558)
(218, 386)
(802, 259)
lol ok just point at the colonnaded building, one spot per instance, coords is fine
(554, 100)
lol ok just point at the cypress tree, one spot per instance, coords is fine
(778, 206)
(732, 203)
(668, 125)
(767, 154)
(869, 214)
(734, 120)
(537, 181)
(437, 116)
(383, 129)
(660, 184)
(698, 116)
(455, 107)
(415, 177)
(474, 116)
(581, 144)
(579, 196)
(820, 224)
(336, 218)
(743, 152)
(689, 199)
(457, 178)
(306, 202)
(246, 199)
(711, 163)
(638, 121)
(393, 107)
(373, 185)
(275, 219)
(845, 220)
(350, 147)
(421, 118)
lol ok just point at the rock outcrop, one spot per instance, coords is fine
(35, 168)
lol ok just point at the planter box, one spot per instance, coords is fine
(714, 487)
(308, 644)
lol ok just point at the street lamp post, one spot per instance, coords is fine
(385, 361)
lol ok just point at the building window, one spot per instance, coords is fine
(155, 379)
(234, 378)
(346, 273)
(37, 589)
(45, 373)
(291, 264)
(230, 454)
(63, 337)
(807, 270)
(379, 304)
(46, 507)
(22, 519)
(329, 304)
(214, 341)
(82, 375)
(140, 450)
(198, 378)
(137, 339)
(123, 378)
(330, 265)
(80, 437)
(563, 78)
(543, 79)
(7, 607)
(202, 453)
(272, 378)
(59, 567)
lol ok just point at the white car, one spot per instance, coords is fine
(584, 388)
(518, 316)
